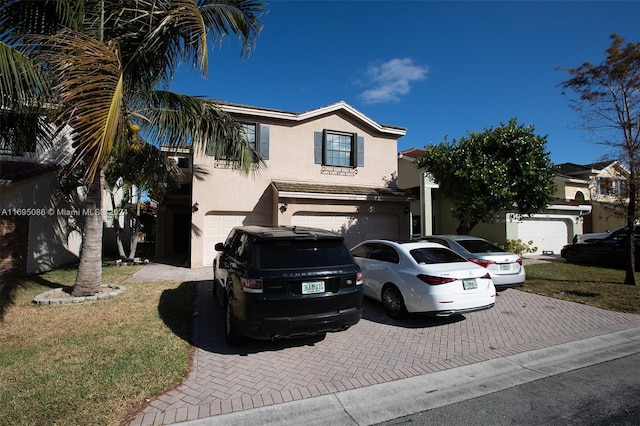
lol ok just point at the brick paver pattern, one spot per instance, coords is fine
(376, 350)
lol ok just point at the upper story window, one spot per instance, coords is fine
(339, 149)
(250, 134)
(257, 135)
(612, 187)
(604, 186)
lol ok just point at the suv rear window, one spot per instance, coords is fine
(291, 254)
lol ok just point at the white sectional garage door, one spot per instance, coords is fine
(218, 226)
(355, 228)
(547, 234)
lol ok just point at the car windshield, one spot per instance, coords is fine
(430, 255)
(480, 246)
(288, 254)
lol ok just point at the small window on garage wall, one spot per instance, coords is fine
(338, 149)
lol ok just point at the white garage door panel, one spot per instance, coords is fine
(547, 235)
(218, 226)
(355, 228)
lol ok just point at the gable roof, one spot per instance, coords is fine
(573, 169)
(308, 115)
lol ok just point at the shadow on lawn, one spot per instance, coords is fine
(176, 309)
(10, 284)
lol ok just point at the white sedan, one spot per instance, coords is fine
(422, 277)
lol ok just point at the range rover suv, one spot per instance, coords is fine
(285, 282)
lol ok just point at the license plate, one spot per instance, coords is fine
(312, 287)
(469, 284)
(505, 266)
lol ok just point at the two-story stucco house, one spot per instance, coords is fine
(332, 168)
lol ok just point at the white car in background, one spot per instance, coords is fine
(422, 277)
(505, 267)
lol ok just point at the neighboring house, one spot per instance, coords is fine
(606, 188)
(549, 231)
(39, 230)
(331, 168)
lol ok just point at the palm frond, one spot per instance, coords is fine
(181, 121)
(22, 81)
(239, 17)
(90, 89)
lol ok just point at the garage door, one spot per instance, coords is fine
(355, 228)
(547, 235)
(217, 227)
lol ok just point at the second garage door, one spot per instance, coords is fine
(547, 235)
(355, 228)
(218, 226)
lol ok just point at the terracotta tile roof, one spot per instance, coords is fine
(14, 171)
(413, 152)
(313, 188)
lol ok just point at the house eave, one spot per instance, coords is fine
(299, 117)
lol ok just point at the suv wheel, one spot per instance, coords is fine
(231, 335)
(392, 302)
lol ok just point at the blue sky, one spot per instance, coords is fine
(434, 67)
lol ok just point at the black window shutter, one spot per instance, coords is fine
(317, 147)
(360, 151)
(264, 141)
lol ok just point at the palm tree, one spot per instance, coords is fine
(111, 63)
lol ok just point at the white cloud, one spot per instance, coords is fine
(391, 80)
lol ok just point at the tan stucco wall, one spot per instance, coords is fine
(291, 158)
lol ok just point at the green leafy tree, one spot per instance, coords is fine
(606, 97)
(110, 64)
(141, 168)
(487, 173)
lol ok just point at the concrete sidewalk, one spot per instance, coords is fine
(382, 369)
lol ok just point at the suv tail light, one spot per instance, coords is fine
(251, 285)
(431, 280)
(482, 262)
(359, 279)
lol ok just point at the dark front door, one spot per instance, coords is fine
(181, 232)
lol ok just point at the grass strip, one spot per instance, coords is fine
(593, 286)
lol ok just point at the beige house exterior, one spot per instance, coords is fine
(604, 186)
(332, 168)
(549, 231)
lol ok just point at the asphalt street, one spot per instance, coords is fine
(602, 394)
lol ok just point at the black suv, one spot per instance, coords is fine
(284, 282)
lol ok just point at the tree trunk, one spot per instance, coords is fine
(630, 271)
(135, 230)
(464, 228)
(89, 279)
(116, 228)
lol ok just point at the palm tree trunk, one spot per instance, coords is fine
(89, 278)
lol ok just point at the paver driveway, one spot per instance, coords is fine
(377, 350)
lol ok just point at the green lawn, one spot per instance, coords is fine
(92, 363)
(600, 287)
